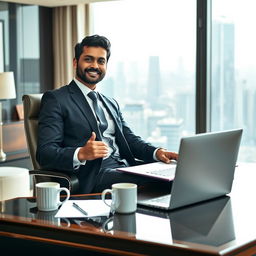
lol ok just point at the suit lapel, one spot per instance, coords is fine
(112, 111)
(123, 145)
(79, 99)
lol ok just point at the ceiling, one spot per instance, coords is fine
(52, 3)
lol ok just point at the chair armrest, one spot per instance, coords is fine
(139, 162)
(67, 180)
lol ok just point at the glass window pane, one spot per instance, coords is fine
(233, 98)
(28, 55)
(151, 71)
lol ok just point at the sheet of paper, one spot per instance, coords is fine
(93, 207)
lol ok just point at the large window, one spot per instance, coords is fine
(20, 39)
(151, 71)
(233, 82)
(28, 54)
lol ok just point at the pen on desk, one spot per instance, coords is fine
(80, 209)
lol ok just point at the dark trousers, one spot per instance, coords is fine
(108, 175)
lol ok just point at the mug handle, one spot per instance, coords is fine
(68, 195)
(104, 194)
(105, 225)
(66, 221)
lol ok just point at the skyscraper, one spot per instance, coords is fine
(134, 116)
(172, 129)
(223, 74)
(154, 82)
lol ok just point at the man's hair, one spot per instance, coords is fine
(94, 40)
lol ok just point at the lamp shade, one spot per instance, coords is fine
(7, 86)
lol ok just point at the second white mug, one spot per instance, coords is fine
(48, 196)
(124, 197)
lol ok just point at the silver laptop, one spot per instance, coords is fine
(205, 170)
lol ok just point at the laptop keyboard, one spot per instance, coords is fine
(159, 202)
(162, 199)
(163, 172)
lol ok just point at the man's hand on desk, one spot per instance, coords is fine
(92, 149)
(166, 156)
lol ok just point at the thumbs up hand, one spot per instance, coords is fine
(93, 137)
(92, 149)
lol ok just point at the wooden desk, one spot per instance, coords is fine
(226, 226)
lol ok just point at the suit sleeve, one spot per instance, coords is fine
(51, 152)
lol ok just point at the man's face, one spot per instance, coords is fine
(91, 66)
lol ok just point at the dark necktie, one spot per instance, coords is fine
(103, 124)
(98, 111)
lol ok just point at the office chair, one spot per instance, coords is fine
(31, 105)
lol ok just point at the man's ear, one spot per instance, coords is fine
(74, 63)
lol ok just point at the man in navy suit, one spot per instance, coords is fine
(70, 138)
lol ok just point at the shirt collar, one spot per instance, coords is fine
(85, 90)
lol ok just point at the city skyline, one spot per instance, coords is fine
(132, 75)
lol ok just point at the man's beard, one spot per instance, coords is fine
(82, 75)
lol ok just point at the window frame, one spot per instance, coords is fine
(203, 67)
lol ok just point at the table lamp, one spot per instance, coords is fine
(7, 91)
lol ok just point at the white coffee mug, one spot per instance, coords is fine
(48, 196)
(124, 197)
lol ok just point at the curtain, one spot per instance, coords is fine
(69, 26)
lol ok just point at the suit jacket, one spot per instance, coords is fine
(66, 122)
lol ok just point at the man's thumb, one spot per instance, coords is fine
(93, 136)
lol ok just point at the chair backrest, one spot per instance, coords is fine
(31, 105)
